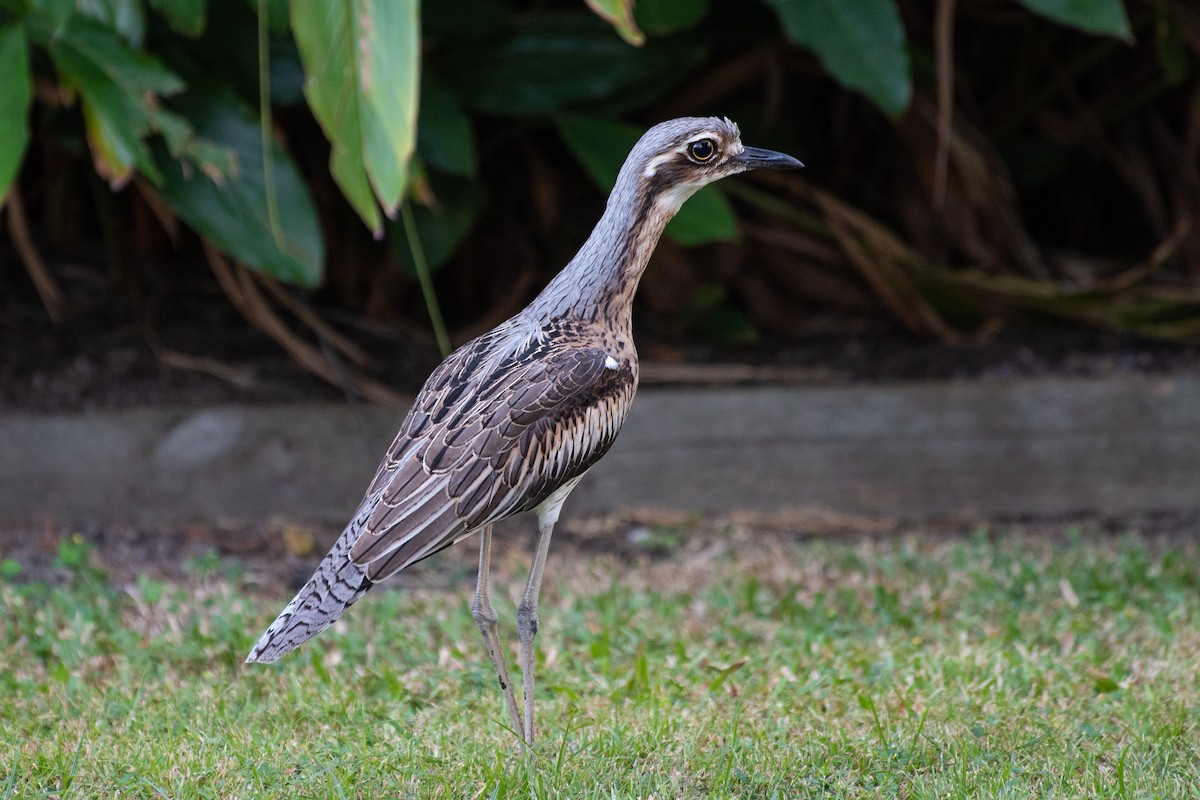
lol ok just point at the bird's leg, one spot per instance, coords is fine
(527, 615)
(485, 617)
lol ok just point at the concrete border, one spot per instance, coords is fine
(1123, 444)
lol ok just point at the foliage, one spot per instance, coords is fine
(362, 76)
(862, 44)
(15, 98)
(452, 107)
(995, 664)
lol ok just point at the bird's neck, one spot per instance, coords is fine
(600, 281)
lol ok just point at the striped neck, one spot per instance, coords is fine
(600, 281)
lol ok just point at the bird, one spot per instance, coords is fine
(512, 420)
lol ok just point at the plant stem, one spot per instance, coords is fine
(422, 269)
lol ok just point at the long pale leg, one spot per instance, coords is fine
(527, 623)
(485, 617)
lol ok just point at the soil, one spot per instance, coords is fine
(113, 352)
(278, 557)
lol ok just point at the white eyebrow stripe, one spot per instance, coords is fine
(652, 165)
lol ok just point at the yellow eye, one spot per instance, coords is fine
(702, 150)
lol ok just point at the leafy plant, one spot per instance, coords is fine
(450, 106)
(362, 76)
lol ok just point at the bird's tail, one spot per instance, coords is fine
(337, 583)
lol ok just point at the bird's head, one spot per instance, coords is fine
(675, 158)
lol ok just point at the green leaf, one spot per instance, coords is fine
(134, 71)
(390, 70)
(562, 61)
(662, 17)
(602, 144)
(231, 212)
(16, 93)
(334, 95)
(706, 217)
(277, 13)
(182, 143)
(711, 316)
(187, 17)
(363, 67)
(119, 87)
(126, 17)
(1091, 16)
(861, 43)
(444, 137)
(47, 18)
(619, 14)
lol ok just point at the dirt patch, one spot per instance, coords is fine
(114, 352)
(279, 555)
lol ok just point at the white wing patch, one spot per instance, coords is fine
(611, 363)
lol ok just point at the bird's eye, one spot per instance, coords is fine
(702, 150)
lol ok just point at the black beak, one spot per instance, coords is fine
(757, 158)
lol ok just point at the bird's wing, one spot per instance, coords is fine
(479, 446)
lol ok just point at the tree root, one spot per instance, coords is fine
(241, 286)
(18, 226)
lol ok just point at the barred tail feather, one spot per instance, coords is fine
(337, 583)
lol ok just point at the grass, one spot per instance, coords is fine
(993, 665)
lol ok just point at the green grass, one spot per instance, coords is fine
(986, 666)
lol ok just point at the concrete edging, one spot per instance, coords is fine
(1123, 444)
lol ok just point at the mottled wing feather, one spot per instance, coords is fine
(492, 433)
(469, 456)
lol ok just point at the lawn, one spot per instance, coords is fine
(735, 664)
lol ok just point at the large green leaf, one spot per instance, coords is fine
(706, 217)
(561, 61)
(1092, 16)
(602, 144)
(862, 44)
(619, 14)
(119, 88)
(389, 74)
(16, 92)
(662, 17)
(444, 137)
(126, 17)
(277, 13)
(231, 212)
(362, 64)
(334, 95)
(46, 18)
(184, 16)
